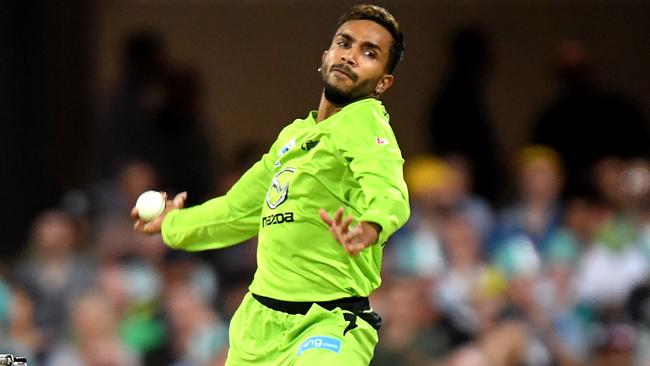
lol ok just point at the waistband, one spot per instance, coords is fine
(353, 304)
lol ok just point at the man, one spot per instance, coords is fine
(308, 302)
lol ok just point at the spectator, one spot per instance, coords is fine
(461, 280)
(469, 204)
(155, 114)
(95, 339)
(200, 336)
(536, 211)
(53, 273)
(519, 261)
(570, 321)
(460, 122)
(18, 332)
(188, 154)
(588, 122)
(414, 332)
(134, 290)
(613, 263)
(127, 126)
(416, 248)
(114, 237)
(636, 306)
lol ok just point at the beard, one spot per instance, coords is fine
(341, 97)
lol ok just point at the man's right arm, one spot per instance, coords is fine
(222, 221)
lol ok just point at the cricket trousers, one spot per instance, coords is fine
(269, 332)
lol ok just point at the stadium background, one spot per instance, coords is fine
(256, 61)
(59, 58)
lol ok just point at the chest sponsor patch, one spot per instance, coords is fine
(278, 218)
(320, 342)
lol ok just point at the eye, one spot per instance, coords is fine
(370, 54)
(342, 43)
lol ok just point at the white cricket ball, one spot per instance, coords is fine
(150, 204)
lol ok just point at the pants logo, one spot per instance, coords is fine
(320, 342)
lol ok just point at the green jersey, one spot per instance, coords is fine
(349, 160)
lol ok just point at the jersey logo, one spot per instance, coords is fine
(278, 192)
(320, 342)
(309, 144)
(381, 141)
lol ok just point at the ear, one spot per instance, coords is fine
(322, 58)
(385, 82)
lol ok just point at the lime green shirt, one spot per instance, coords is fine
(349, 160)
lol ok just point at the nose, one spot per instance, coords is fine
(349, 57)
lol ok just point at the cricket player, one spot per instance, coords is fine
(323, 200)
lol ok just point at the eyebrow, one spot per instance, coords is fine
(366, 44)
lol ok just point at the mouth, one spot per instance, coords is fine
(342, 71)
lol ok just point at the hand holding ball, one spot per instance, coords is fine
(150, 204)
(150, 210)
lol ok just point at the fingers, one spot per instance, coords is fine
(143, 227)
(326, 217)
(338, 216)
(329, 220)
(151, 227)
(148, 227)
(345, 225)
(179, 200)
(350, 239)
(353, 234)
(353, 241)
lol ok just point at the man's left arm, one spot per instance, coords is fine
(379, 171)
(376, 162)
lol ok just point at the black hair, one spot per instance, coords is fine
(382, 17)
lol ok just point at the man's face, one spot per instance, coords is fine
(355, 65)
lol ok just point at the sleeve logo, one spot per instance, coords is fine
(381, 141)
(279, 189)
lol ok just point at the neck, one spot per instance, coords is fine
(326, 109)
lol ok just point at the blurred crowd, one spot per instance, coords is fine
(541, 258)
(548, 279)
(91, 291)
